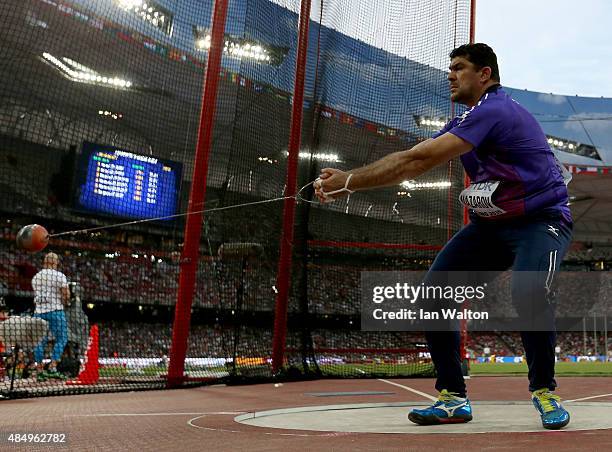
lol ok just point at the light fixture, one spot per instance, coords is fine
(430, 123)
(77, 72)
(573, 147)
(322, 156)
(240, 48)
(267, 160)
(412, 185)
(150, 12)
(110, 114)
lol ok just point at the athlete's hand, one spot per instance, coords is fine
(331, 185)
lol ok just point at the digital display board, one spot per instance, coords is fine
(117, 182)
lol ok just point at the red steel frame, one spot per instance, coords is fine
(197, 195)
(472, 21)
(295, 138)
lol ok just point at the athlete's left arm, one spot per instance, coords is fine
(397, 167)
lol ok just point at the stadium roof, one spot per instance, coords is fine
(355, 81)
(388, 85)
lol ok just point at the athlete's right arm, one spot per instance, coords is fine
(394, 168)
(399, 166)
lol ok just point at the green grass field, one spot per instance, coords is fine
(582, 368)
(156, 371)
(597, 369)
(389, 370)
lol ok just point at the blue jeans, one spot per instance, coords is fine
(59, 328)
(531, 247)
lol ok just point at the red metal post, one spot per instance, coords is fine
(295, 137)
(472, 21)
(193, 227)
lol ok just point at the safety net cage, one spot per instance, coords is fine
(171, 261)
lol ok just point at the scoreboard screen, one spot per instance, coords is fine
(117, 182)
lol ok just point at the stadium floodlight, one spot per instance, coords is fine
(267, 160)
(110, 114)
(561, 144)
(150, 12)
(203, 43)
(60, 65)
(77, 66)
(573, 147)
(322, 156)
(78, 72)
(413, 185)
(240, 48)
(325, 157)
(426, 122)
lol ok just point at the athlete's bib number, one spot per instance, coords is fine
(479, 198)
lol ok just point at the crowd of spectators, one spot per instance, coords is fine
(590, 254)
(151, 279)
(493, 344)
(110, 273)
(125, 339)
(120, 339)
(152, 341)
(332, 289)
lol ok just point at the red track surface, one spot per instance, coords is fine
(158, 420)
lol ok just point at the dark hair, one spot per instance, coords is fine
(480, 55)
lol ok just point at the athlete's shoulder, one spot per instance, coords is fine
(496, 100)
(501, 99)
(490, 107)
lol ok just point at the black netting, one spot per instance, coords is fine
(366, 103)
(99, 116)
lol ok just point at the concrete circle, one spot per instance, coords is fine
(503, 416)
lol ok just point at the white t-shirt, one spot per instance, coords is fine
(47, 285)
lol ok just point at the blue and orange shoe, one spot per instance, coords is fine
(449, 409)
(553, 415)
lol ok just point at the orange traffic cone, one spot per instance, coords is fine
(90, 370)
